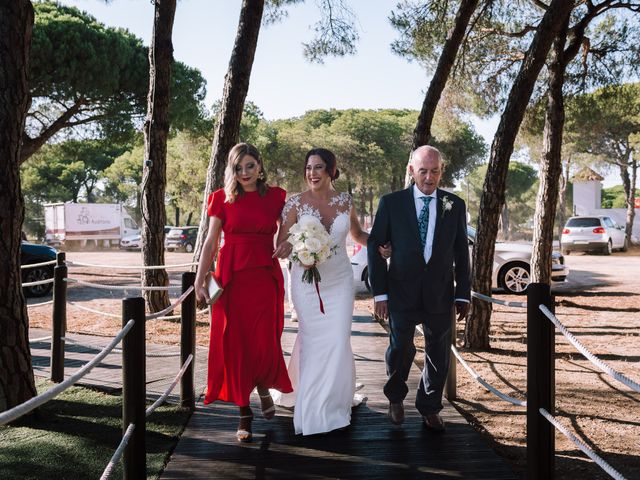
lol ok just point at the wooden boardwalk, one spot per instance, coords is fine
(80, 349)
(371, 448)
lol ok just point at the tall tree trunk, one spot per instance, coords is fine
(16, 372)
(562, 198)
(154, 175)
(422, 132)
(504, 222)
(236, 86)
(551, 165)
(631, 195)
(479, 322)
(177, 217)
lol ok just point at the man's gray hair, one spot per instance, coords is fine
(431, 150)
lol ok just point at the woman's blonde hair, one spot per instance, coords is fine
(232, 187)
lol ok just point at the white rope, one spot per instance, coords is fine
(177, 317)
(164, 396)
(120, 287)
(41, 339)
(484, 383)
(118, 453)
(24, 408)
(499, 302)
(39, 282)
(82, 307)
(171, 307)
(587, 451)
(42, 264)
(130, 267)
(39, 304)
(589, 356)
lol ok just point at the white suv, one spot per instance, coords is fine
(595, 233)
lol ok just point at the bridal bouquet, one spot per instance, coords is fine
(311, 246)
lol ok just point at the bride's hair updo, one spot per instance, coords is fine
(327, 157)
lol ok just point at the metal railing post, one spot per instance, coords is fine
(188, 342)
(450, 385)
(540, 383)
(134, 389)
(59, 318)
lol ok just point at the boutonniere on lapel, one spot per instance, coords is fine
(447, 204)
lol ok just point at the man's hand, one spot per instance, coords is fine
(381, 309)
(462, 310)
(385, 250)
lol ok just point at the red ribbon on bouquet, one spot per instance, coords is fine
(319, 297)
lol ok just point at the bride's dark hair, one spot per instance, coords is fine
(327, 157)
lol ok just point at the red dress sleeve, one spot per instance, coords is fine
(281, 196)
(215, 204)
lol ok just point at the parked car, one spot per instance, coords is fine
(598, 234)
(31, 253)
(511, 265)
(181, 238)
(132, 242)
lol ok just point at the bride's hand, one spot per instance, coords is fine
(283, 250)
(385, 250)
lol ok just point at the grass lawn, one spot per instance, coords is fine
(77, 433)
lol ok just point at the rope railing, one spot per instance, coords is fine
(117, 455)
(130, 267)
(588, 355)
(41, 264)
(168, 391)
(587, 451)
(506, 303)
(41, 304)
(171, 307)
(484, 383)
(41, 339)
(120, 287)
(39, 282)
(24, 408)
(92, 310)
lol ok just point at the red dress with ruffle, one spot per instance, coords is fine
(248, 318)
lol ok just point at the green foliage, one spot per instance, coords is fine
(76, 435)
(613, 197)
(520, 192)
(99, 76)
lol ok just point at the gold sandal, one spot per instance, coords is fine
(244, 435)
(269, 412)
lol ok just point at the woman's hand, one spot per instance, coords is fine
(202, 295)
(385, 250)
(283, 250)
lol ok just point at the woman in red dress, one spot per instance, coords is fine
(248, 318)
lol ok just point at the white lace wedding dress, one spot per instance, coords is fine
(321, 367)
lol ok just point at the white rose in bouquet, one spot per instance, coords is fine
(311, 246)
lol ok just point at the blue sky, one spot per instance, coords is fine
(284, 84)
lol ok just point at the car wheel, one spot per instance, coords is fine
(188, 248)
(37, 274)
(514, 278)
(365, 277)
(608, 248)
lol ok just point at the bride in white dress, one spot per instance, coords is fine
(322, 367)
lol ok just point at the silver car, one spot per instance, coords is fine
(511, 266)
(595, 233)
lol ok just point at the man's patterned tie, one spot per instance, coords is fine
(423, 220)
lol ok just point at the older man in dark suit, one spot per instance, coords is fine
(427, 230)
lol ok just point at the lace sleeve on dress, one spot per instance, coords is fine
(342, 201)
(294, 201)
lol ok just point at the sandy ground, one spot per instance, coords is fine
(600, 304)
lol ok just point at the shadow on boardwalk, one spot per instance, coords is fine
(370, 448)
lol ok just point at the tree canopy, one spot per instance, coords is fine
(94, 79)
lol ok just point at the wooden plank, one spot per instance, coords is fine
(370, 448)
